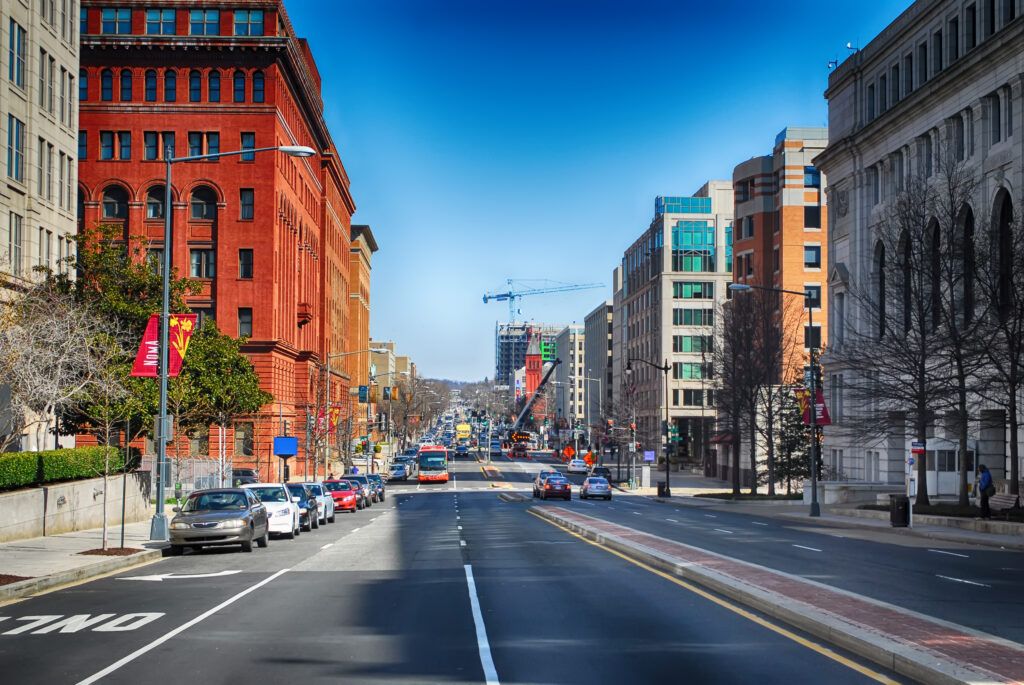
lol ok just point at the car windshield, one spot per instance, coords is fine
(215, 501)
(337, 486)
(270, 494)
(297, 491)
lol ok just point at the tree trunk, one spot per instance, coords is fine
(922, 464)
(736, 461)
(753, 450)
(106, 470)
(1014, 443)
(770, 417)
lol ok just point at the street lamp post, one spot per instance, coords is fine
(158, 526)
(327, 405)
(390, 373)
(664, 369)
(813, 407)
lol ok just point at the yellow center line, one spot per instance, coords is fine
(820, 649)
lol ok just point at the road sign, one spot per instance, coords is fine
(648, 455)
(917, 447)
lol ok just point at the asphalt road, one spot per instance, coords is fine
(440, 583)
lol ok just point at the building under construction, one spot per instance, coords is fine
(510, 343)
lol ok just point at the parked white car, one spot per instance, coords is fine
(325, 502)
(577, 466)
(282, 512)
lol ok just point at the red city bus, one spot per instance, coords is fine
(433, 464)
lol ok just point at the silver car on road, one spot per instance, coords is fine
(221, 516)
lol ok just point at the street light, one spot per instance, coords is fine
(390, 397)
(813, 409)
(158, 526)
(327, 408)
(664, 369)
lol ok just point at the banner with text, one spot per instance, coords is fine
(821, 411)
(147, 361)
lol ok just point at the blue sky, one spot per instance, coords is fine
(527, 139)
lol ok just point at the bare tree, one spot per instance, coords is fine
(47, 358)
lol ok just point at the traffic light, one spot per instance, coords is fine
(610, 424)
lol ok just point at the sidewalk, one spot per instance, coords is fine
(56, 560)
(914, 645)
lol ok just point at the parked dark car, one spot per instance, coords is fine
(244, 477)
(377, 483)
(221, 516)
(308, 506)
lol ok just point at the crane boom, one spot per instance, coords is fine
(514, 292)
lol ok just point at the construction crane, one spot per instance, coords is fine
(521, 288)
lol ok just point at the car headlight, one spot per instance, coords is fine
(231, 523)
(179, 525)
(302, 510)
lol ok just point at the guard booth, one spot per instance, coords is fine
(943, 465)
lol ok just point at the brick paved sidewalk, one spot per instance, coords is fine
(910, 643)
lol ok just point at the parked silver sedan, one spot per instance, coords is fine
(595, 487)
(222, 516)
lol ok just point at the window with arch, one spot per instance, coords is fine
(115, 203)
(83, 85)
(257, 87)
(106, 85)
(150, 81)
(170, 86)
(126, 85)
(204, 203)
(880, 287)
(239, 86)
(195, 86)
(155, 202)
(213, 86)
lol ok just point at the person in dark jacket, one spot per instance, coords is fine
(984, 483)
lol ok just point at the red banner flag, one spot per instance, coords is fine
(822, 417)
(147, 361)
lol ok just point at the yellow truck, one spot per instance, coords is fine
(463, 431)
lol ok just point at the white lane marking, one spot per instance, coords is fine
(183, 627)
(758, 523)
(672, 520)
(952, 554)
(961, 580)
(454, 484)
(373, 519)
(490, 674)
(813, 549)
(711, 516)
(638, 513)
(458, 518)
(462, 543)
(170, 576)
(459, 527)
(327, 545)
(355, 529)
(723, 530)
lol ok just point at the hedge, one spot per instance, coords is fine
(23, 469)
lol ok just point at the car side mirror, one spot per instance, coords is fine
(176, 509)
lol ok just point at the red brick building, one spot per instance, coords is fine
(266, 235)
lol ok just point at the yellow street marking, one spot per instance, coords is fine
(824, 651)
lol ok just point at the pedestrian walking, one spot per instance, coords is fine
(985, 490)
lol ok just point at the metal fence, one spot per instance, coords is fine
(194, 473)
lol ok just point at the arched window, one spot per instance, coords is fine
(83, 85)
(934, 274)
(195, 86)
(239, 86)
(204, 203)
(968, 264)
(155, 203)
(907, 269)
(106, 85)
(170, 86)
(1003, 220)
(126, 85)
(115, 203)
(150, 85)
(880, 287)
(257, 86)
(214, 86)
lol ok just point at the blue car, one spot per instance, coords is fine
(462, 450)
(398, 472)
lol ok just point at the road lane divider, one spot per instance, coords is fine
(483, 646)
(180, 629)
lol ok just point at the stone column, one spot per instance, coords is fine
(992, 442)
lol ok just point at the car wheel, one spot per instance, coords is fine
(307, 526)
(292, 533)
(247, 544)
(175, 550)
(331, 520)
(264, 540)
(314, 522)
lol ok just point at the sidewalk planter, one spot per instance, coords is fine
(845, 492)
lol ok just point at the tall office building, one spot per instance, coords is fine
(265, 235)
(781, 236)
(570, 388)
(510, 344)
(674, 278)
(597, 364)
(39, 124)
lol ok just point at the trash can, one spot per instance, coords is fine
(662, 490)
(899, 511)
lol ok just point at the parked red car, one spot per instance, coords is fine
(345, 494)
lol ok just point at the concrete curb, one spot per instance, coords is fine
(903, 659)
(32, 586)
